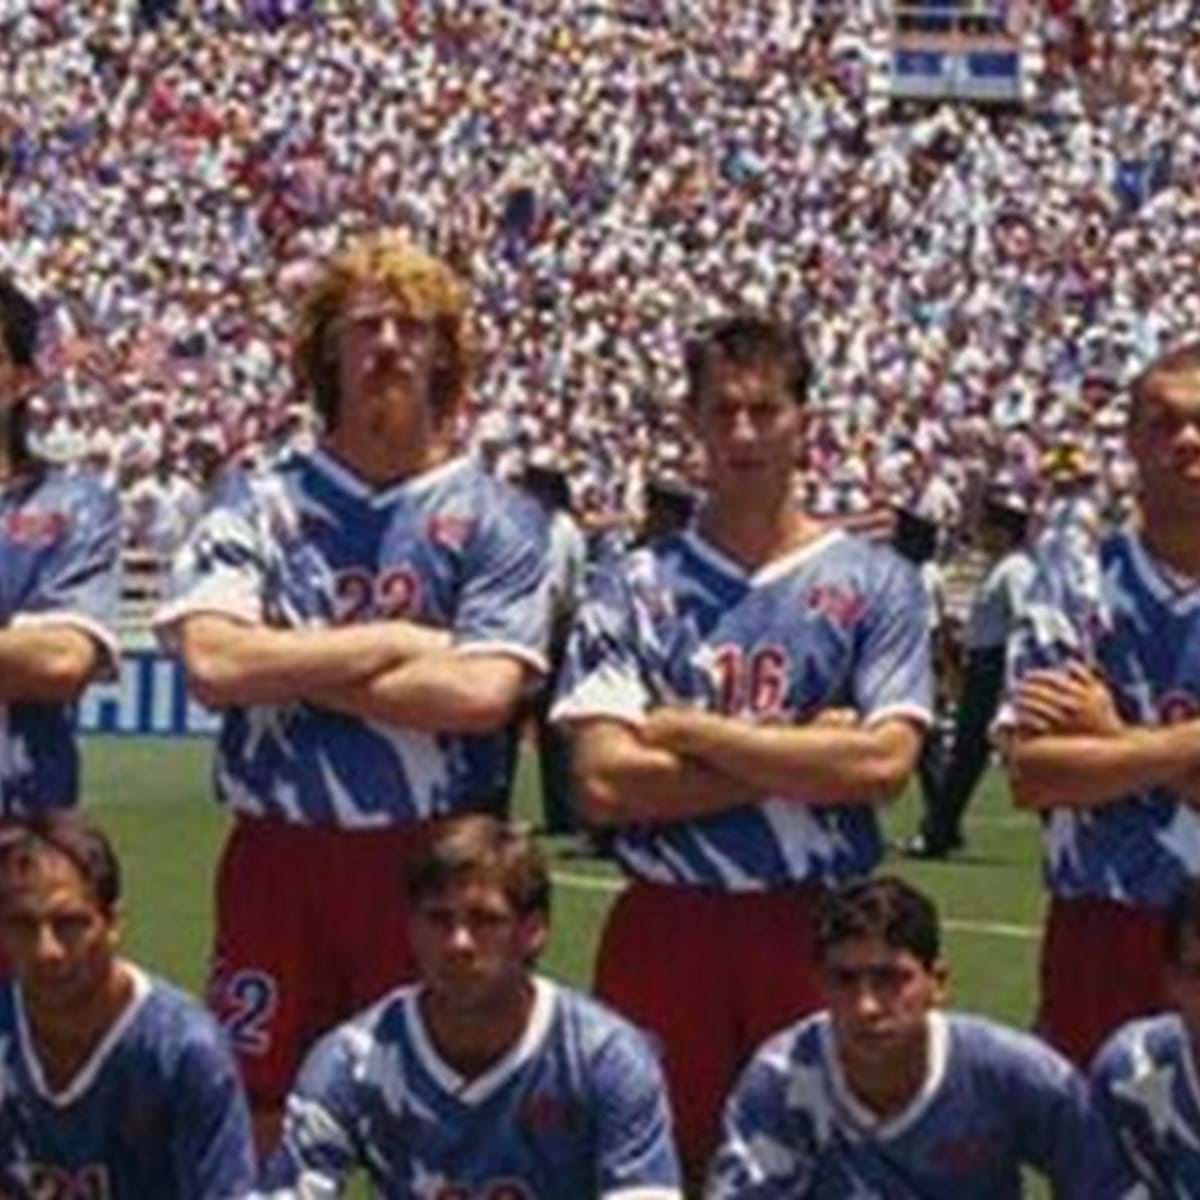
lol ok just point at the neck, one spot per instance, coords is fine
(380, 462)
(66, 1036)
(473, 1040)
(889, 1088)
(1173, 541)
(756, 534)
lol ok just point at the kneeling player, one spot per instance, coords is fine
(1144, 1077)
(483, 1079)
(883, 1095)
(112, 1084)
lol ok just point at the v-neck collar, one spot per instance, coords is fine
(346, 479)
(709, 552)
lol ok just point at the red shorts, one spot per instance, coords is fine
(312, 926)
(1102, 965)
(711, 975)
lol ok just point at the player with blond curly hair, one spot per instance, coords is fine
(366, 616)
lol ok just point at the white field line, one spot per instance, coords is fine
(1025, 933)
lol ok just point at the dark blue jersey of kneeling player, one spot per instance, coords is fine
(1145, 1083)
(156, 1113)
(576, 1108)
(839, 623)
(59, 552)
(993, 1101)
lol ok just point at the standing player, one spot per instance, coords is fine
(743, 694)
(360, 613)
(1102, 730)
(882, 1095)
(112, 1083)
(1144, 1077)
(59, 586)
(483, 1080)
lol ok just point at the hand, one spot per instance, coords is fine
(668, 728)
(1073, 700)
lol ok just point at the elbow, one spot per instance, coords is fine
(599, 801)
(66, 673)
(211, 681)
(486, 709)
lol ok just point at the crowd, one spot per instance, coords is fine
(977, 287)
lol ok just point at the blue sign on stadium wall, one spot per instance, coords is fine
(149, 697)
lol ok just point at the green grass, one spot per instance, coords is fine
(153, 797)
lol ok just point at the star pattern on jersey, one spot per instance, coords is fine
(1151, 1089)
(427, 1184)
(807, 1092)
(1181, 836)
(268, 722)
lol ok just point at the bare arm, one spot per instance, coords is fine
(444, 691)
(230, 662)
(826, 762)
(623, 780)
(1070, 748)
(45, 663)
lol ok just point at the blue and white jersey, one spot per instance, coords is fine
(993, 1101)
(59, 564)
(307, 544)
(1139, 626)
(576, 1108)
(1144, 1082)
(156, 1111)
(838, 623)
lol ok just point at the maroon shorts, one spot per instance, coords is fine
(311, 927)
(1102, 965)
(710, 975)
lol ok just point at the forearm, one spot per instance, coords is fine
(1090, 771)
(233, 663)
(45, 664)
(443, 692)
(816, 764)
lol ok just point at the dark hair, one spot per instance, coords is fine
(1180, 361)
(19, 320)
(746, 339)
(886, 908)
(477, 845)
(70, 835)
(1182, 915)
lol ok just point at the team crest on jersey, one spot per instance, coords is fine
(548, 1114)
(965, 1155)
(843, 606)
(449, 531)
(34, 528)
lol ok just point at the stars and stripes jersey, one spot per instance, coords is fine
(1144, 1082)
(838, 623)
(60, 565)
(993, 1101)
(1139, 627)
(576, 1108)
(307, 544)
(157, 1110)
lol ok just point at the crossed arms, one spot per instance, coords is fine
(395, 671)
(684, 762)
(1070, 748)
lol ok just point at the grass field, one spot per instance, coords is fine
(153, 797)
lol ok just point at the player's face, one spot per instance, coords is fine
(473, 949)
(59, 939)
(879, 998)
(749, 425)
(385, 363)
(1164, 439)
(1183, 983)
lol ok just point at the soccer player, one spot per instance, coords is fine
(1144, 1077)
(362, 614)
(112, 1083)
(1102, 732)
(484, 1079)
(884, 1095)
(742, 694)
(59, 588)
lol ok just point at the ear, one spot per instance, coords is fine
(534, 933)
(940, 974)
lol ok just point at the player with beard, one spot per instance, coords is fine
(363, 615)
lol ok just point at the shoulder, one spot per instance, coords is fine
(173, 1020)
(1141, 1045)
(988, 1047)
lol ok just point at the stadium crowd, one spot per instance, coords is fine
(338, 246)
(976, 287)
